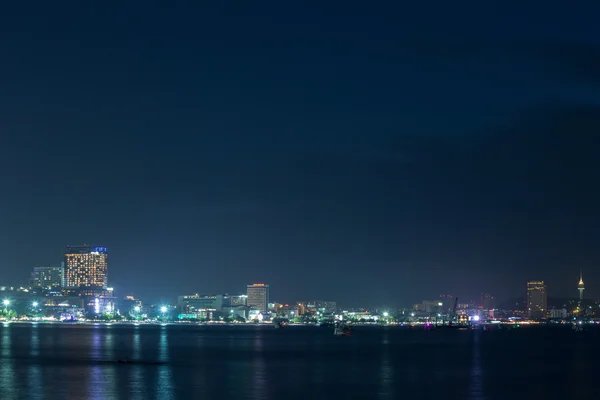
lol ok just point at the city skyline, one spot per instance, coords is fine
(378, 155)
(258, 294)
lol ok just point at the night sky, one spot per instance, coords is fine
(369, 154)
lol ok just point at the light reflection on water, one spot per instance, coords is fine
(35, 341)
(163, 346)
(259, 374)
(476, 384)
(101, 375)
(6, 340)
(108, 348)
(35, 382)
(98, 380)
(386, 372)
(51, 362)
(7, 374)
(136, 384)
(96, 343)
(110, 368)
(164, 384)
(137, 345)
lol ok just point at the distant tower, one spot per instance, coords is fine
(580, 286)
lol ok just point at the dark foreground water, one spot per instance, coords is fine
(249, 362)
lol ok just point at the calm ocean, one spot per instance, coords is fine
(251, 362)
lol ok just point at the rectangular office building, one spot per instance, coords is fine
(48, 278)
(258, 296)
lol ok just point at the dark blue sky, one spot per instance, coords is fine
(370, 154)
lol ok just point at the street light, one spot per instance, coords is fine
(6, 302)
(35, 304)
(163, 309)
(386, 314)
(137, 309)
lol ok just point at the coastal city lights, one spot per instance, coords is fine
(78, 291)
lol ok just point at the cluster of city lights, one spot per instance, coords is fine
(137, 309)
(163, 309)
(6, 303)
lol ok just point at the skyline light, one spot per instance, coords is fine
(257, 296)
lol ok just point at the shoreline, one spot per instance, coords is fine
(269, 324)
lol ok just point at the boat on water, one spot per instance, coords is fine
(325, 324)
(491, 327)
(579, 326)
(342, 330)
(279, 323)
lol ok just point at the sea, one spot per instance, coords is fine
(144, 362)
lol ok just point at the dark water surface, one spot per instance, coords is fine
(251, 362)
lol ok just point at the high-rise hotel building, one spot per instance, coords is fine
(86, 266)
(258, 296)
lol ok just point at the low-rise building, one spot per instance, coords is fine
(235, 300)
(203, 305)
(558, 313)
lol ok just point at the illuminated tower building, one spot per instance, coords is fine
(536, 299)
(86, 266)
(580, 286)
(258, 296)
